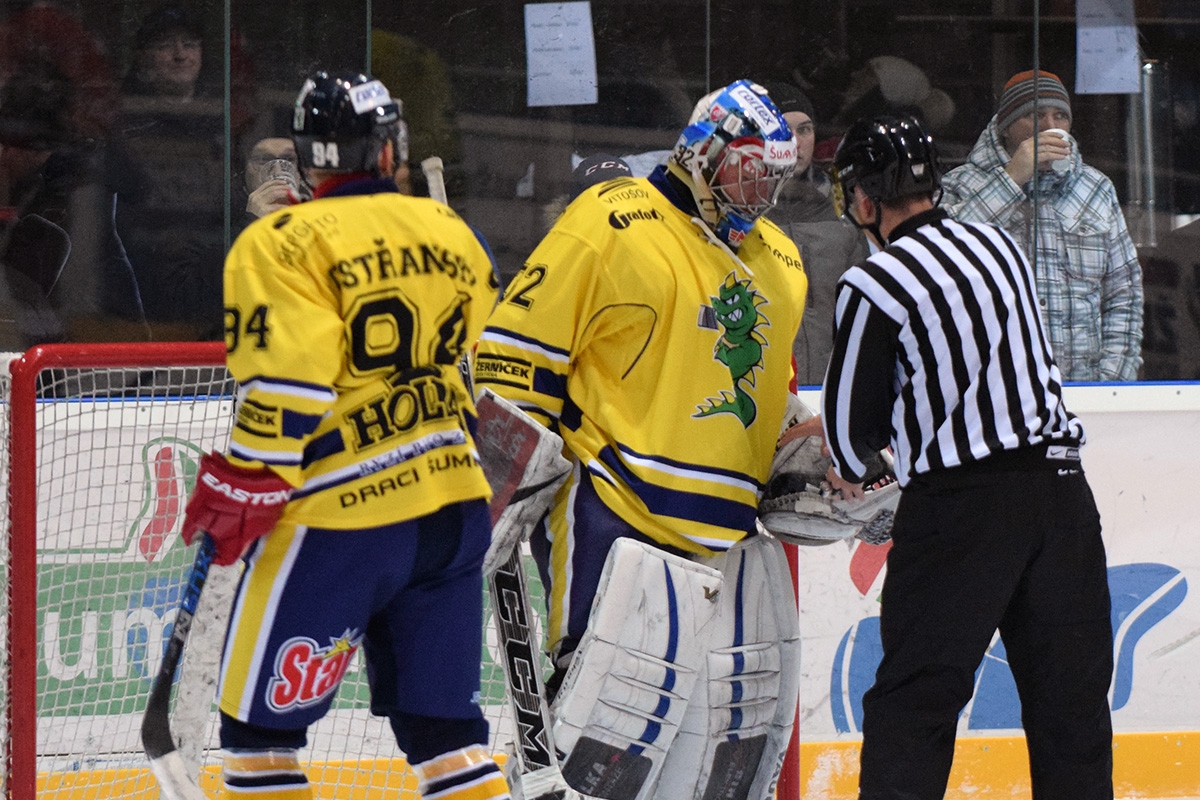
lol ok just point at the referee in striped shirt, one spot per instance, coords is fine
(940, 354)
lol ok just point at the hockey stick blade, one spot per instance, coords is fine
(543, 784)
(157, 739)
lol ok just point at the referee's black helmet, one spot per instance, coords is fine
(888, 157)
(342, 121)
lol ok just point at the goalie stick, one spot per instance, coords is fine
(174, 741)
(157, 741)
(536, 772)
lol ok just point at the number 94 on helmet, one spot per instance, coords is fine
(342, 120)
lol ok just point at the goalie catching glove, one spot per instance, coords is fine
(799, 507)
(234, 506)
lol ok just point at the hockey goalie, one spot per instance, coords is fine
(651, 331)
(685, 680)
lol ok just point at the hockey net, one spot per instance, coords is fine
(101, 447)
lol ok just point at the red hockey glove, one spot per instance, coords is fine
(234, 506)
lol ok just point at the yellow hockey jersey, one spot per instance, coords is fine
(661, 357)
(345, 319)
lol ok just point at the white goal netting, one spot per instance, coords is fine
(96, 468)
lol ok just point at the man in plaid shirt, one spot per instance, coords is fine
(1089, 282)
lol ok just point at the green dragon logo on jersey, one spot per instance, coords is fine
(739, 348)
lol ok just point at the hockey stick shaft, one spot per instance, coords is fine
(512, 614)
(157, 739)
(537, 775)
(435, 176)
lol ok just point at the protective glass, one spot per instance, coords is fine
(744, 182)
(838, 193)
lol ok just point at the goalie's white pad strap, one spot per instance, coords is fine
(524, 465)
(735, 734)
(625, 692)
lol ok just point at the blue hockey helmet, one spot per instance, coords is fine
(735, 155)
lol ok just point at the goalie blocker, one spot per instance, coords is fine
(685, 683)
(524, 465)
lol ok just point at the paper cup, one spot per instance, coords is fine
(1063, 164)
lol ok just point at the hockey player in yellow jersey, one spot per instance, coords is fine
(652, 330)
(351, 486)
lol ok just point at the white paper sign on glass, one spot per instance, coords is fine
(560, 54)
(1106, 57)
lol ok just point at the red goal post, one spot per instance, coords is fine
(101, 444)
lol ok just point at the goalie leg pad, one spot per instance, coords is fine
(739, 720)
(625, 692)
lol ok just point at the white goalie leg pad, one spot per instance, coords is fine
(735, 734)
(524, 465)
(626, 690)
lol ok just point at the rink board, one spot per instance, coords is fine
(1142, 448)
(1140, 455)
(1144, 766)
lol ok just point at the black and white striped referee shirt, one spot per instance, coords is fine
(940, 353)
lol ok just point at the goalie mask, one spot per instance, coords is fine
(735, 156)
(342, 121)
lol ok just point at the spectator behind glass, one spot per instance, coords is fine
(272, 178)
(168, 56)
(168, 172)
(35, 187)
(828, 245)
(1089, 282)
(57, 95)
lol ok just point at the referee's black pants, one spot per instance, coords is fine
(1012, 545)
